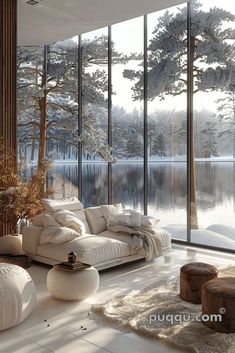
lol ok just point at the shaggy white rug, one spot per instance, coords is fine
(140, 310)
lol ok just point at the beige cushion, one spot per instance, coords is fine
(57, 235)
(129, 220)
(121, 236)
(110, 210)
(69, 219)
(81, 215)
(45, 220)
(95, 219)
(90, 249)
(148, 222)
(145, 221)
(49, 221)
(70, 204)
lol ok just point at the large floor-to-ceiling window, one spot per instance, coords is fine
(167, 118)
(94, 83)
(159, 89)
(212, 53)
(127, 116)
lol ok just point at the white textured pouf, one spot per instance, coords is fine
(72, 285)
(11, 244)
(17, 295)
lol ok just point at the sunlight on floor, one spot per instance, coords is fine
(67, 327)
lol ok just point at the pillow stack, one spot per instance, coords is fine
(63, 221)
(70, 204)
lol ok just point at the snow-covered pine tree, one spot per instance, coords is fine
(212, 48)
(158, 147)
(47, 94)
(226, 115)
(134, 145)
(209, 147)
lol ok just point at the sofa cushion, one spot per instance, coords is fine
(81, 215)
(121, 236)
(145, 221)
(129, 220)
(49, 221)
(70, 204)
(45, 220)
(111, 210)
(89, 248)
(95, 219)
(58, 235)
(69, 219)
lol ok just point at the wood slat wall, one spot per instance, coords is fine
(8, 51)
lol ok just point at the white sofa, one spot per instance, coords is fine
(100, 247)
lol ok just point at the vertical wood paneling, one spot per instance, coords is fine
(8, 48)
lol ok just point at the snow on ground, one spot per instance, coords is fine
(216, 235)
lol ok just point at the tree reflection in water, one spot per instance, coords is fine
(166, 190)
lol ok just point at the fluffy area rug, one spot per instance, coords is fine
(145, 311)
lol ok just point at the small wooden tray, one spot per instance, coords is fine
(73, 268)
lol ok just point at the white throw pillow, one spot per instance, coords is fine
(57, 235)
(70, 204)
(69, 219)
(49, 221)
(131, 220)
(81, 215)
(45, 220)
(95, 219)
(109, 210)
(146, 221)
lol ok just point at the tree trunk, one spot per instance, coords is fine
(43, 112)
(233, 126)
(33, 143)
(42, 141)
(34, 128)
(42, 100)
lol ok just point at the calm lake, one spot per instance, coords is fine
(166, 188)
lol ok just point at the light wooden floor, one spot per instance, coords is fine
(70, 327)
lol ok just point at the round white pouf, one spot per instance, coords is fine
(72, 285)
(11, 244)
(17, 295)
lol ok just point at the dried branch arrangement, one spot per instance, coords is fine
(20, 199)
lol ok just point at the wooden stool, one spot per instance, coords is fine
(218, 297)
(192, 278)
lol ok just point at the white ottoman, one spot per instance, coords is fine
(17, 295)
(72, 285)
